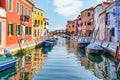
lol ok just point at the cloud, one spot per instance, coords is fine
(68, 8)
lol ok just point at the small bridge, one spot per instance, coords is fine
(59, 32)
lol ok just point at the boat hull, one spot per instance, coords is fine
(7, 65)
(83, 45)
(47, 44)
(93, 51)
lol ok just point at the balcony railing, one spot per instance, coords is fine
(24, 18)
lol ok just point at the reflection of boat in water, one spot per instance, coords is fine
(45, 50)
(96, 58)
(7, 74)
(82, 53)
(94, 48)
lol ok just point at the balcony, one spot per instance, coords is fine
(24, 18)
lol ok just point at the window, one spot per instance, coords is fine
(22, 10)
(72, 26)
(26, 30)
(113, 32)
(10, 29)
(26, 11)
(18, 29)
(41, 22)
(38, 13)
(10, 4)
(38, 22)
(35, 22)
(17, 7)
(88, 14)
(34, 33)
(41, 14)
(30, 30)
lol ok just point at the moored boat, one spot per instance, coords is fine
(47, 44)
(94, 48)
(83, 42)
(7, 62)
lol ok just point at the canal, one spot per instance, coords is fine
(64, 61)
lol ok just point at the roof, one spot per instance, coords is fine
(39, 9)
(92, 8)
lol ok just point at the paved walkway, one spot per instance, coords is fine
(112, 45)
(16, 47)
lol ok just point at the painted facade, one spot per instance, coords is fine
(97, 11)
(102, 25)
(86, 22)
(113, 22)
(37, 22)
(2, 27)
(46, 26)
(71, 28)
(18, 20)
(78, 25)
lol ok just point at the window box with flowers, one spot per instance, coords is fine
(27, 17)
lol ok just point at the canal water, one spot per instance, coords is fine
(64, 61)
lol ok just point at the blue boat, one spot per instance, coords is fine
(7, 62)
(83, 42)
(47, 44)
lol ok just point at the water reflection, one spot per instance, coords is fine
(64, 61)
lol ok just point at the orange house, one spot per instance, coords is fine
(71, 29)
(18, 20)
(87, 21)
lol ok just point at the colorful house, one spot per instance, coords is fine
(2, 27)
(71, 28)
(102, 25)
(86, 21)
(113, 21)
(78, 25)
(46, 26)
(37, 21)
(18, 20)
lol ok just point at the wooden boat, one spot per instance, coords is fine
(47, 44)
(7, 62)
(83, 42)
(94, 48)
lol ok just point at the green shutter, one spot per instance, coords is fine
(8, 29)
(12, 29)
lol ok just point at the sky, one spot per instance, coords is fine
(60, 11)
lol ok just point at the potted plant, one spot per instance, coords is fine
(27, 16)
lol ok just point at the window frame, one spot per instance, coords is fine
(18, 29)
(10, 30)
(11, 6)
(17, 11)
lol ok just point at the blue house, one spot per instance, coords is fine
(113, 22)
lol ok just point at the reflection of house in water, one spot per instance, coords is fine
(104, 68)
(71, 47)
(37, 60)
(32, 64)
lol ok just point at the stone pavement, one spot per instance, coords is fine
(112, 46)
(16, 47)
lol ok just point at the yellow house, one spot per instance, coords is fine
(37, 22)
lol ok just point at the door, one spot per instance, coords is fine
(0, 32)
(23, 32)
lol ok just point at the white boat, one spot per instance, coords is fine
(94, 48)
